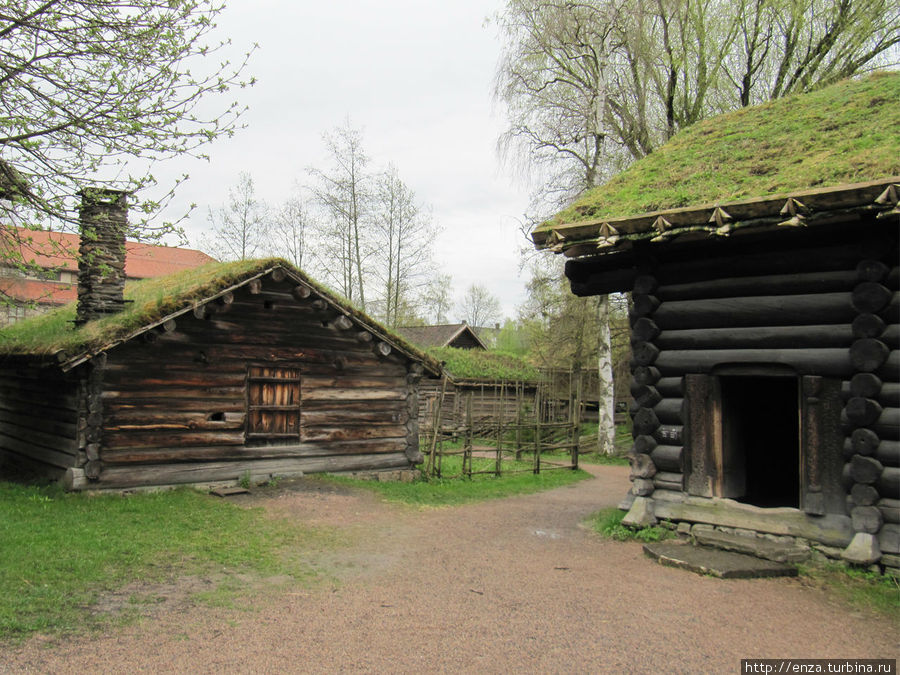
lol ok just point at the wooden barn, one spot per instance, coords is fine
(210, 375)
(761, 251)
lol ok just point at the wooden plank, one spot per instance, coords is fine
(768, 337)
(772, 284)
(701, 428)
(202, 472)
(352, 433)
(51, 456)
(162, 438)
(826, 362)
(355, 394)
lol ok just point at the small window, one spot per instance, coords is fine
(273, 404)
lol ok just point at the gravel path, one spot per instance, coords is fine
(513, 585)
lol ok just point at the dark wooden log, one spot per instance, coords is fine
(888, 453)
(889, 539)
(862, 412)
(864, 495)
(667, 457)
(644, 353)
(644, 330)
(666, 480)
(645, 284)
(200, 311)
(888, 424)
(872, 270)
(382, 348)
(864, 441)
(364, 336)
(254, 286)
(277, 275)
(641, 466)
(866, 519)
(603, 283)
(892, 280)
(888, 483)
(645, 375)
(867, 385)
(670, 411)
(757, 337)
(867, 326)
(669, 434)
(787, 310)
(891, 336)
(341, 322)
(825, 362)
(318, 304)
(645, 422)
(865, 469)
(891, 313)
(773, 284)
(868, 355)
(644, 305)
(890, 371)
(671, 387)
(301, 292)
(644, 444)
(870, 297)
(646, 397)
(890, 510)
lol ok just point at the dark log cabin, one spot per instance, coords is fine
(766, 370)
(230, 370)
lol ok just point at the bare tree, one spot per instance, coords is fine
(436, 299)
(344, 193)
(480, 307)
(404, 236)
(239, 228)
(291, 226)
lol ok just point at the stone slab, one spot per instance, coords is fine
(715, 562)
(755, 546)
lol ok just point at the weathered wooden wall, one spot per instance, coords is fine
(171, 406)
(39, 419)
(827, 310)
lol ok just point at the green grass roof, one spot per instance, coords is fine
(478, 364)
(151, 300)
(848, 132)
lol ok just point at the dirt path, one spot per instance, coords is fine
(507, 586)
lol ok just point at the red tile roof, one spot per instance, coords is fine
(58, 251)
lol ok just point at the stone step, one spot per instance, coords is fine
(755, 546)
(715, 562)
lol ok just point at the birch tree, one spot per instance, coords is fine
(291, 228)
(344, 192)
(479, 307)
(437, 298)
(238, 229)
(404, 236)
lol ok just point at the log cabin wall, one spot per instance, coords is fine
(822, 311)
(41, 420)
(263, 381)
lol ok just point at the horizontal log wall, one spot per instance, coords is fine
(828, 312)
(39, 419)
(174, 404)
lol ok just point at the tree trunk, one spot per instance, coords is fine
(606, 430)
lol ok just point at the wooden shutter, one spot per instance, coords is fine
(273, 403)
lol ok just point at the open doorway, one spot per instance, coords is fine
(761, 440)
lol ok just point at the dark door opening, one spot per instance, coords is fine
(761, 440)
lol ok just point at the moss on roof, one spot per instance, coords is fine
(477, 364)
(151, 300)
(843, 133)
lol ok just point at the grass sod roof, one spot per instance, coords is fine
(840, 134)
(152, 301)
(477, 364)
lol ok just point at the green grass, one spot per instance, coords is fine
(843, 133)
(608, 523)
(477, 364)
(60, 552)
(859, 588)
(454, 491)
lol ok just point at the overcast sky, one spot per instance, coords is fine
(416, 77)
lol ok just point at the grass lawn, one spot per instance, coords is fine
(450, 491)
(60, 552)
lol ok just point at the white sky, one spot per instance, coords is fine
(416, 77)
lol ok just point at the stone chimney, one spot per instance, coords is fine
(101, 253)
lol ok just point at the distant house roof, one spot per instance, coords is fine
(153, 302)
(59, 250)
(789, 162)
(458, 335)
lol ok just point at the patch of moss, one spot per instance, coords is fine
(843, 133)
(477, 364)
